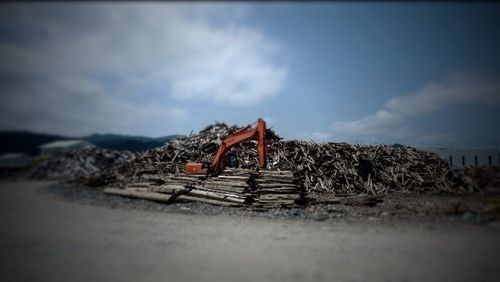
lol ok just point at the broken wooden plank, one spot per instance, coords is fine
(138, 194)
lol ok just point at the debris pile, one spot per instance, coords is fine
(89, 166)
(340, 168)
(346, 169)
(201, 147)
(296, 169)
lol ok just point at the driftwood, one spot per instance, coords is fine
(295, 168)
(339, 168)
(239, 187)
(166, 198)
(138, 194)
(89, 166)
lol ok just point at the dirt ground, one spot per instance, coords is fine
(51, 232)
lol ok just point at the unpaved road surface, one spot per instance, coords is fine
(44, 237)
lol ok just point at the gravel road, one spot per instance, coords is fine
(45, 237)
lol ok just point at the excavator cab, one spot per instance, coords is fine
(197, 168)
(232, 160)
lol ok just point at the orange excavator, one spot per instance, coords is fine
(221, 157)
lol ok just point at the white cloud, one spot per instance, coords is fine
(136, 58)
(318, 136)
(381, 121)
(391, 122)
(459, 88)
(84, 109)
(270, 121)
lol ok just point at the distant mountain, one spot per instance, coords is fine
(109, 136)
(25, 142)
(397, 145)
(127, 142)
(28, 142)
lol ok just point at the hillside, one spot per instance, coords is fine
(28, 142)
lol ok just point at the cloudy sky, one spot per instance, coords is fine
(418, 74)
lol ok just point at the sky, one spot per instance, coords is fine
(420, 74)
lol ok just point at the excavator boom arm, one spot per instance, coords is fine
(239, 136)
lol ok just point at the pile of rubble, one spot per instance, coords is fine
(201, 147)
(340, 168)
(89, 166)
(296, 169)
(172, 157)
(346, 169)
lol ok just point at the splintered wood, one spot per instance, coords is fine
(296, 169)
(235, 187)
(275, 188)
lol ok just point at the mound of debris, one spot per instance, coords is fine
(296, 169)
(89, 166)
(340, 168)
(201, 147)
(346, 169)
